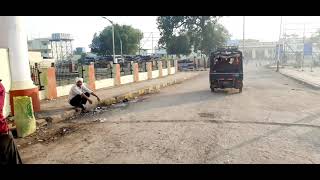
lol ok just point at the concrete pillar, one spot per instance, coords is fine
(135, 72)
(176, 65)
(48, 79)
(169, 67)
(149, 70)
(160, 68)
(266, 53)
(14, 37)
(116, 72)
(253, 53)
(89, 76)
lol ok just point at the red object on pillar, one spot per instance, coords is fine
(3, 124)
(33, 93)
(2, 96)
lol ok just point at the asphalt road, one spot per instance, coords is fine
(274, 120)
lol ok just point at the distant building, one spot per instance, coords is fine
(160, 51)
(58, 47)
(254, 49)
(42, 45)
(36, 57)
(80, 50)
(142, 52)
(61, 44)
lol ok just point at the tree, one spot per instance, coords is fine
(215, 35)
(179, 45)
(197, 28)
(130, 37)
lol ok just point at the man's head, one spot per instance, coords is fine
(79, 82)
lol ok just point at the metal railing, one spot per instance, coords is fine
(35, 75)
(103, 70)
(142, 66)
(155, 65)
(164, 64)
(172, 63)
(66, 72)
(126, 68)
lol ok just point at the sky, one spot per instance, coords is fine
(82, 28)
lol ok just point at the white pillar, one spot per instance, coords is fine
(253, 53)
(266, 53)
(14, 37)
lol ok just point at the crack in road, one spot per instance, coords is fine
(210, 121)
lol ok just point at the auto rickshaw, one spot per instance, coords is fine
(226, 69)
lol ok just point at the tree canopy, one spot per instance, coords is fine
(203, 32)
(130, 37)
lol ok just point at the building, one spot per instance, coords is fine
(36, 57)
(80, 50)
(142, 52)
(160, 51)
(58, 47)
(61, 45)
(254, 49)
(42, 45)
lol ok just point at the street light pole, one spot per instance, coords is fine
(243, 35)
(114, 53)
(278, 59)
(304, 31)
(121, 48)
(113, 47)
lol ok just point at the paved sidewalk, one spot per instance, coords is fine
(60, 109)
(307, 77)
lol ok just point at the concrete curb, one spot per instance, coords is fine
(303, 81)
(117, 99)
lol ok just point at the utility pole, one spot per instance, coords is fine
(121, 48)
(139, 45)
(152, 42)
(243, 35)
(114, 54)
(304, 31)
(279, 48)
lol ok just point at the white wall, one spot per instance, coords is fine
(35, 57)
(173, 70)
(126, 79)
(155, 74)
(143, 76)
(6, 78)
(63, 90)
(164, 72)
(104, 83)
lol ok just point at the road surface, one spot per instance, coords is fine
(274, 120)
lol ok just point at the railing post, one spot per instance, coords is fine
(89, 76)
(149, 69)
(176, 65)
(169, 67)
(49, 82)
(117, 75)
(135, 72)
(160, 68)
